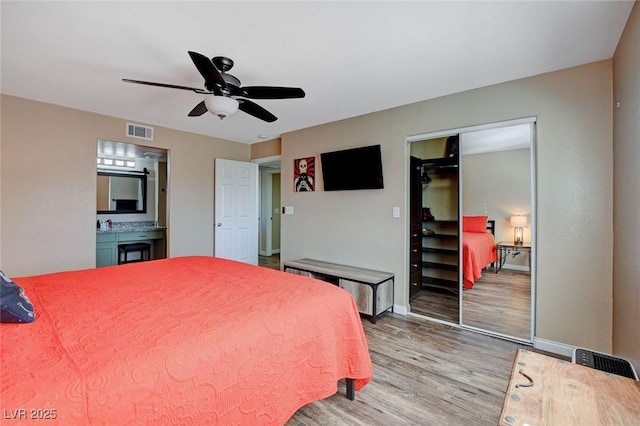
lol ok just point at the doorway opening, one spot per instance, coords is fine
(270, 212)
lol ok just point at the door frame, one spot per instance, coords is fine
(265, 203)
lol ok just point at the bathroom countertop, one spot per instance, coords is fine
(133, 229)
(143, 226)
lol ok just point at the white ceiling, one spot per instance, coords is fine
(351, 58)
(496, 139)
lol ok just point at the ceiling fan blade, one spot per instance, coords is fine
(170, 86)
(212, 77)
(198, 110)
(272, 92)
(256, 110)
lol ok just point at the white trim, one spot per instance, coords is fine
(435, 135)
(533, 255)
(267, 159)
(497, 334)
(496, 125)
(266, 205)
(262, 209)
(515, 267)
(439, 321)
(553, 347)
(400, 309)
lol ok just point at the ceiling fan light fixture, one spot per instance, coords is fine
(222, 106)
(222, 86)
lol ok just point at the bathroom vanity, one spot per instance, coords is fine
(128, 232)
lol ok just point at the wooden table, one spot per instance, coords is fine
(509, 247)
(548, 391)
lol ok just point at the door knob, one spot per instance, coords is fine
(219, 224)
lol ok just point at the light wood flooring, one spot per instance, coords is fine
(499, 302)
(436, 303)
(424, 373)
(272, 261)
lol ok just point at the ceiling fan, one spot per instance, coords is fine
(226, 93)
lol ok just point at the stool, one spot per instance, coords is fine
(125, 249)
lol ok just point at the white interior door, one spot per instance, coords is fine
(236, 210)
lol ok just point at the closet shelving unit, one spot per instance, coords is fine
(440, 247)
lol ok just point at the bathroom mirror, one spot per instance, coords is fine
(119, 193)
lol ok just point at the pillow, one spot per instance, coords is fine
(474, 223)
(15, 306)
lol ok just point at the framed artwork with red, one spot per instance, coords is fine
(304, 170)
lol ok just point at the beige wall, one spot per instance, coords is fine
(264, 149)
(574, 140)
(0, 184)
(498, 184)
(48, 193)
(626, 69)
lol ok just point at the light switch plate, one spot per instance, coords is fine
(396, 212)
(287, 210)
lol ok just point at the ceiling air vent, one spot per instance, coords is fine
(140, 132)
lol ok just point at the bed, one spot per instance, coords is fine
(478, 247)
(187, 340)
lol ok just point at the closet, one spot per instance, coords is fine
(481, 171)
(440, 223)
(434, 236)
(415, 227)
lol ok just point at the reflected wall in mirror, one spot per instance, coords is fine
(496, 181)
(121, 193)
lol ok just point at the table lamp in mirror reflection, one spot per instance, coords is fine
(517, 223)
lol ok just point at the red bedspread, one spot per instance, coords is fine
(192, 340)
(478, 250)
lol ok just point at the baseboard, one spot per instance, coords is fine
(400, 309)
(541, 344)
(515, 267)
(553, 347)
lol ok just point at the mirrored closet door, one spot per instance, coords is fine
(472, 195)
(434, 241)
(496, 182)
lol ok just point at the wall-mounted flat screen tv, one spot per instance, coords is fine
(350, 169)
